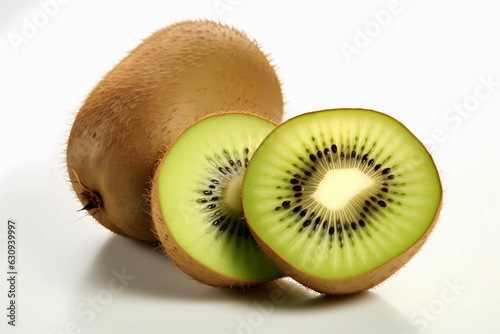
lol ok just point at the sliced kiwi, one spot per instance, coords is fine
(341, 198)
(196, 202)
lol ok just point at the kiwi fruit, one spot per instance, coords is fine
(196, 202)
(173, 78)
(341, 199)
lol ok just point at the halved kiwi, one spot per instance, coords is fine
(341, 199)
(196, 202)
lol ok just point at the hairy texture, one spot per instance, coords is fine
(175, 77)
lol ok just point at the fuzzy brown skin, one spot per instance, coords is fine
(175, 77)
(179, 257)
(348, 285)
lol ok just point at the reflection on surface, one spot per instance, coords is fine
(156, 277)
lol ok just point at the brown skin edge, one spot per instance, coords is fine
(349, 285)
(171, 248)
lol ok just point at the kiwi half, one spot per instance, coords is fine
(174, 77)
(196, 202)
(341, 199)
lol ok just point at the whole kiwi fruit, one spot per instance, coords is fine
(174, 77)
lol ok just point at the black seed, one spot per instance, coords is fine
(277, 208)
(286, 204)
(211, 186)
(211, 206)
(307, 223)
(362, 223)
(312, 157)
(346, 226)
(247, 150)
(380, 195)
(297, 176)
(373, 199)
(334, 148)
(308, 173)
(317, 221)
(222, 170)
(228, 169)
(331, 230)
(353, 154)
(340, 239)
(326, 152)
(202, 200)
(339, 229)
(246, 162)
(207, 192)
(223, 227)
(368, 203)
(215, 181)
(297, 188)
(382, 203)
(366, 209)
(319, 154)
(325, 224)
(215, 198)
(297, 208)
(354, 227)
(298, 201)
(385, 171)
(232, 229)
(390, 200)
(294, 181)
(390, 177)
(365, 158)
(385, 190)
(239, 163)
(313, 168)
(362, 215)
(218, 221)
(370, 162)
(312, 215)
(303, 212)
(297, 194)
(377, 167)
(342, 155)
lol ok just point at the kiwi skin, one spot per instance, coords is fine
(175, 77)
(179, 257)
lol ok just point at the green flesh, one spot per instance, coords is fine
(200, 196)
(364, 214)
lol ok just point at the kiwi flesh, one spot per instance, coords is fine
(196, 202)
(173, 78)
(341, 199)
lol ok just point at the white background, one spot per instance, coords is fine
(421, 65)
